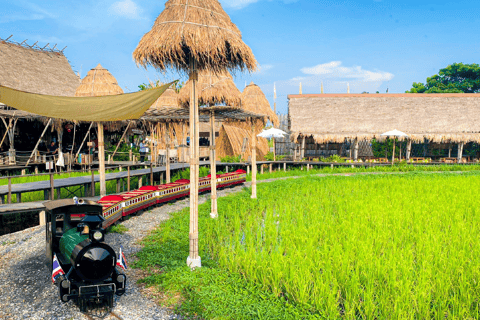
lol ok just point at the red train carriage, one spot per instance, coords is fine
(137, 200)
(175, 190)
(112, 209)
(231, 178)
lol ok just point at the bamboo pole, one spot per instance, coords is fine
(254, 162)
(101, 160)
(38, 142)
(355, 150)
(460, 152)
(409, 150)
(119, 142)
(193, 260)
(84, 139)
(167, 153)
(213, 167)
(393, 154)
(274, 153)
(73, 146)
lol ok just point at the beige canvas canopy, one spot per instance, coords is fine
(105, 108)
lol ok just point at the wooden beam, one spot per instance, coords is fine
(123, 136)
(84, 139)
(38, 142)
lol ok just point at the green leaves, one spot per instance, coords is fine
(456, 78)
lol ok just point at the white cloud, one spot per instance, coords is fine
(126, 8)
(334, 69)
(30, 11)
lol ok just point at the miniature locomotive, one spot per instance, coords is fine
(83, 265)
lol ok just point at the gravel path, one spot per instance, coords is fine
(26, 291)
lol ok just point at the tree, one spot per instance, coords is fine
(176, 86)
(456, 78)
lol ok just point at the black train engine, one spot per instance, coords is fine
(83, 265)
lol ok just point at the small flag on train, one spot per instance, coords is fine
(122, 261)
(57, 269)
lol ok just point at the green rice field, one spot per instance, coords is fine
(359, 247)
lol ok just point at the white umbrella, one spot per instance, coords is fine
(272, 133)
(397, 134)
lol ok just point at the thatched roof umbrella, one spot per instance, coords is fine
(213, 90)
(191, 35)
(99, 82)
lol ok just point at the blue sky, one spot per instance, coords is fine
(370, 44)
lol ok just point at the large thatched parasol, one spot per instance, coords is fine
(213, 90)
(191, 35)
(99, 82)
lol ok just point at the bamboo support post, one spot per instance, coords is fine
(460, 152)
(409, 150)
(213, 168)
(151, 175)
(393, 154)
(274, 153)
(254, 162)
(302, 154)
(285, 166)
(248, 169)
(167, 156)
(261, 169)
(355, 150)
(193, 260)
(270, 168)
(140, 182)
(101, 160)
(118, 185)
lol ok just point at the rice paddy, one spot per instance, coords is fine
(359, 247)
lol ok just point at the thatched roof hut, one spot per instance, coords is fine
(336, 117)
(169, 99)
(36, 71)
(98, 82)
(213, 90)
(254, 100)
(231, 140)
(194, 28)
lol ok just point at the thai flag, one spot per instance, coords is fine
(122, 261)
(57, 269)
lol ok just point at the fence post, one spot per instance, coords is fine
(92, 185)
(118, 185)
(151, 174)
(140, 182)
(270, 168)
(285, 166)
(248, 169)
(226, 169)
(261, 169)
(51, 186)
(128, 178)
(9, 197)
(130, 155)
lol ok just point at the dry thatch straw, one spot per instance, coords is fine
(213, 90)
(439, 118)
(254, 100)
(230, 143)
(100, 82)
(194, 28)
(169, 99)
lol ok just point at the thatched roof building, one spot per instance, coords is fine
(36, 71)
(98, 82)
(198, 28)
(335, 117)
(213, 90)
(254, 100)
(231, 139)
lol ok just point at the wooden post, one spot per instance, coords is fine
(285, 166)
(9, 196)
(302, 153)
(59, 193)
(261, 169)
(128, 178)
(460, 152)
(270, 168)
(151, 175)
(393, 154)
(449, 150)
(118, 186)
(409, 150)
(226, 169)
(193, 260)
(84, 139)
(51, 186)
(38, 142)
(355, 150)
(130, 155)
(213, 168)
(92, 184)
(101, 160)
(140, 182)
(308, 167)
(248, 169)
(274, 153)
(167, 145)
(119, 142)
(254, 162)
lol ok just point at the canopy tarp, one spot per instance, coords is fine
(105, 108)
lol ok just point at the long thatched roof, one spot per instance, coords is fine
(98, 82)
(36, 71)
(169, 99)
(213, 90)
(254, 100)
(194, 28)
(435, 117)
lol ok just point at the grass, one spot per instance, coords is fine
(118, 228)
(327, 170)
(362, 247)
